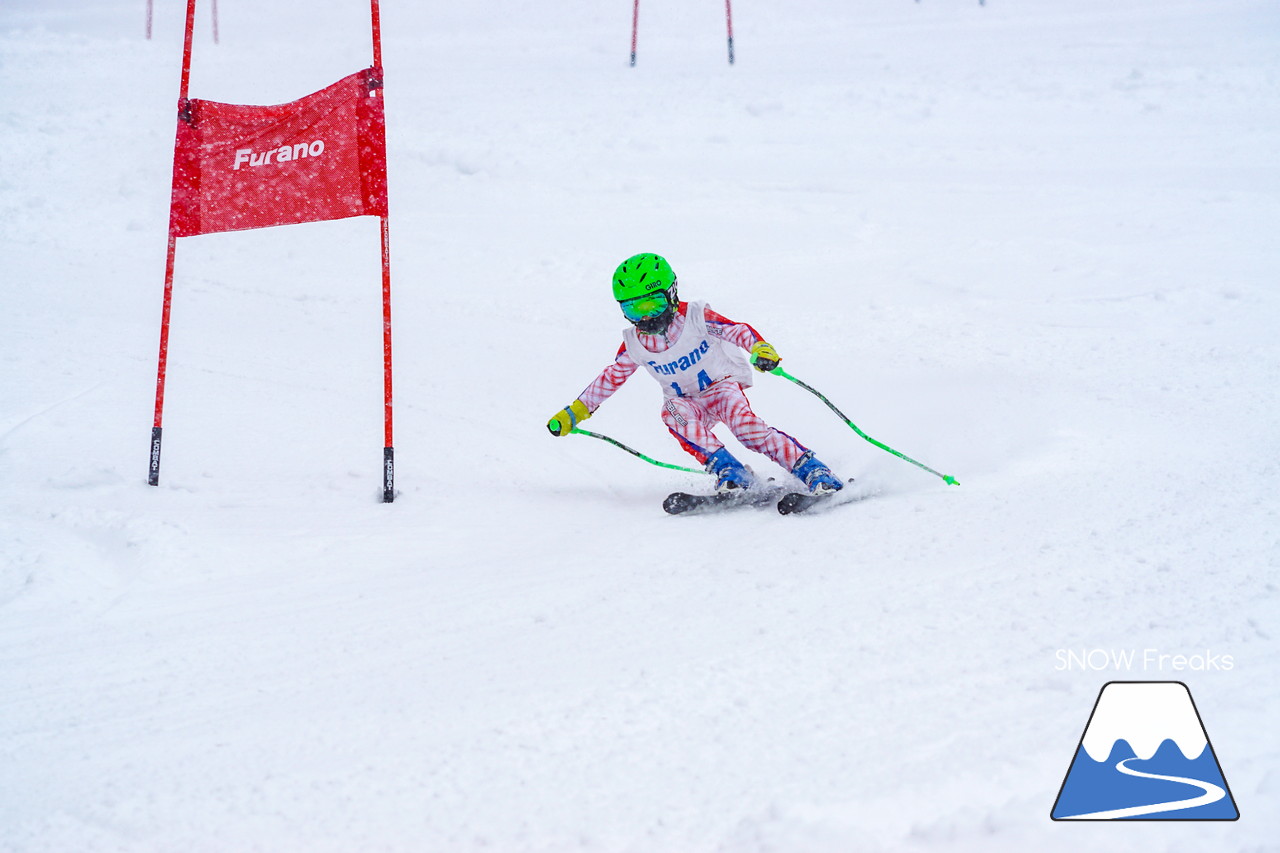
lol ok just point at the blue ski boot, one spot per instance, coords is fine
(730, 473)
(817, 476)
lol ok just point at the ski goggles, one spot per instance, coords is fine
(645, 307)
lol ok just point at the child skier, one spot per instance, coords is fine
(693, 353)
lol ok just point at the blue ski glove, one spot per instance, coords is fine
(563, 421)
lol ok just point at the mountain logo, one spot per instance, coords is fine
(1144, 755)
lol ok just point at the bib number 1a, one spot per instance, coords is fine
(704, 382)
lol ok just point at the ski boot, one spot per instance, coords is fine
(817, 476)
(731, 475)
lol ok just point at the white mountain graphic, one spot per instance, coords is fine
(1144, 713)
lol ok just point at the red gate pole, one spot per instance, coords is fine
(635, 23)
(728, 17)
(186, 54)
(388, 447)
(153, 475)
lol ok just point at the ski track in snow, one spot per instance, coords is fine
(1031, 245)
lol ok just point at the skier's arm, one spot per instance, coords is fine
(765, 357)
(601, 389)
(609, 380)
(739, 334)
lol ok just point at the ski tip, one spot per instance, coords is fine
(794, 502)
(678, 502)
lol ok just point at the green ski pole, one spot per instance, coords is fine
(634, 452)
(778, 371)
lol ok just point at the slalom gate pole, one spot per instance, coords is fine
(635, 23)
(162, 362)
(728, 17)
(388, 447)
(778, 371)
(388, 444)
(634, 452)
(185, 83)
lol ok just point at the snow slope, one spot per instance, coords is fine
(1030, 244)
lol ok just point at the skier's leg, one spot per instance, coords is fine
(691, 424)
(726, 402)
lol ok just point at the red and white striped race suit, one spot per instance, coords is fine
(691, 416)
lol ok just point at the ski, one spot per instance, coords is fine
(793, 502)
(679, 503)
(796, 502)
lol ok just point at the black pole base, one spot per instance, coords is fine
(153, 475)
(388, 474)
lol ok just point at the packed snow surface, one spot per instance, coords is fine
(1030, 244)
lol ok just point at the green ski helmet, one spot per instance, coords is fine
(645, 287)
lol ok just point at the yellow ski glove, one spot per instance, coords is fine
(567, 418)
(764, 357)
